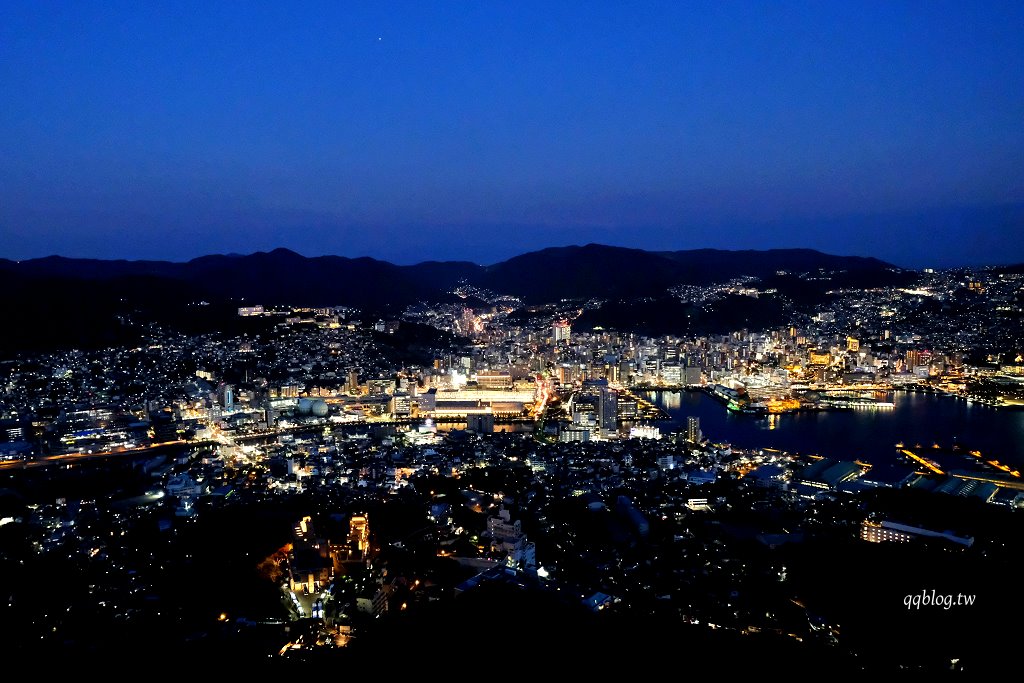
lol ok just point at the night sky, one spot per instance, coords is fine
(479, 130)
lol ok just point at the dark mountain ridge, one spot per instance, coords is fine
(589, 271)
(59, 301)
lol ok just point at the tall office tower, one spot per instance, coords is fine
(625, 370)
(609, 409)
(561, 331)
(693, 429)
(611, 373)
(227, 396)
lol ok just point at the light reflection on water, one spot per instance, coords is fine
(866, 434)
(670, 400)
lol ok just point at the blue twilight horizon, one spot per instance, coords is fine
(479, 130)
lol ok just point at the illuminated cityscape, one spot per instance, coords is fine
(460, 337)
(404, 461)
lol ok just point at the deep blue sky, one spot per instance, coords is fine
(478, 130)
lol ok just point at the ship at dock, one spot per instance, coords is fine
(844, 399)
(737, 400)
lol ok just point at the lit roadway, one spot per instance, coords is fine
(544, 394)
(927, 463)
(1005, 483)
(66, 458)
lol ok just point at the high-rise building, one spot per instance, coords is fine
(561, 331)
(628, 407)
(625, 370)
(611, 373)
(359, 533)
(671, 373)
(693, 433)
(165, 426)
(608, 410)
(401, 404)
(227, 396)
(563, 373)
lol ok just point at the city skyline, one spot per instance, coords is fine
(473, 456)
(351, 335)
(412, 133)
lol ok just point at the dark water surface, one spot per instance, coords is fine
(870, 435)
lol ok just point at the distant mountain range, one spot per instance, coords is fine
(283, 276)
(57, 302)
